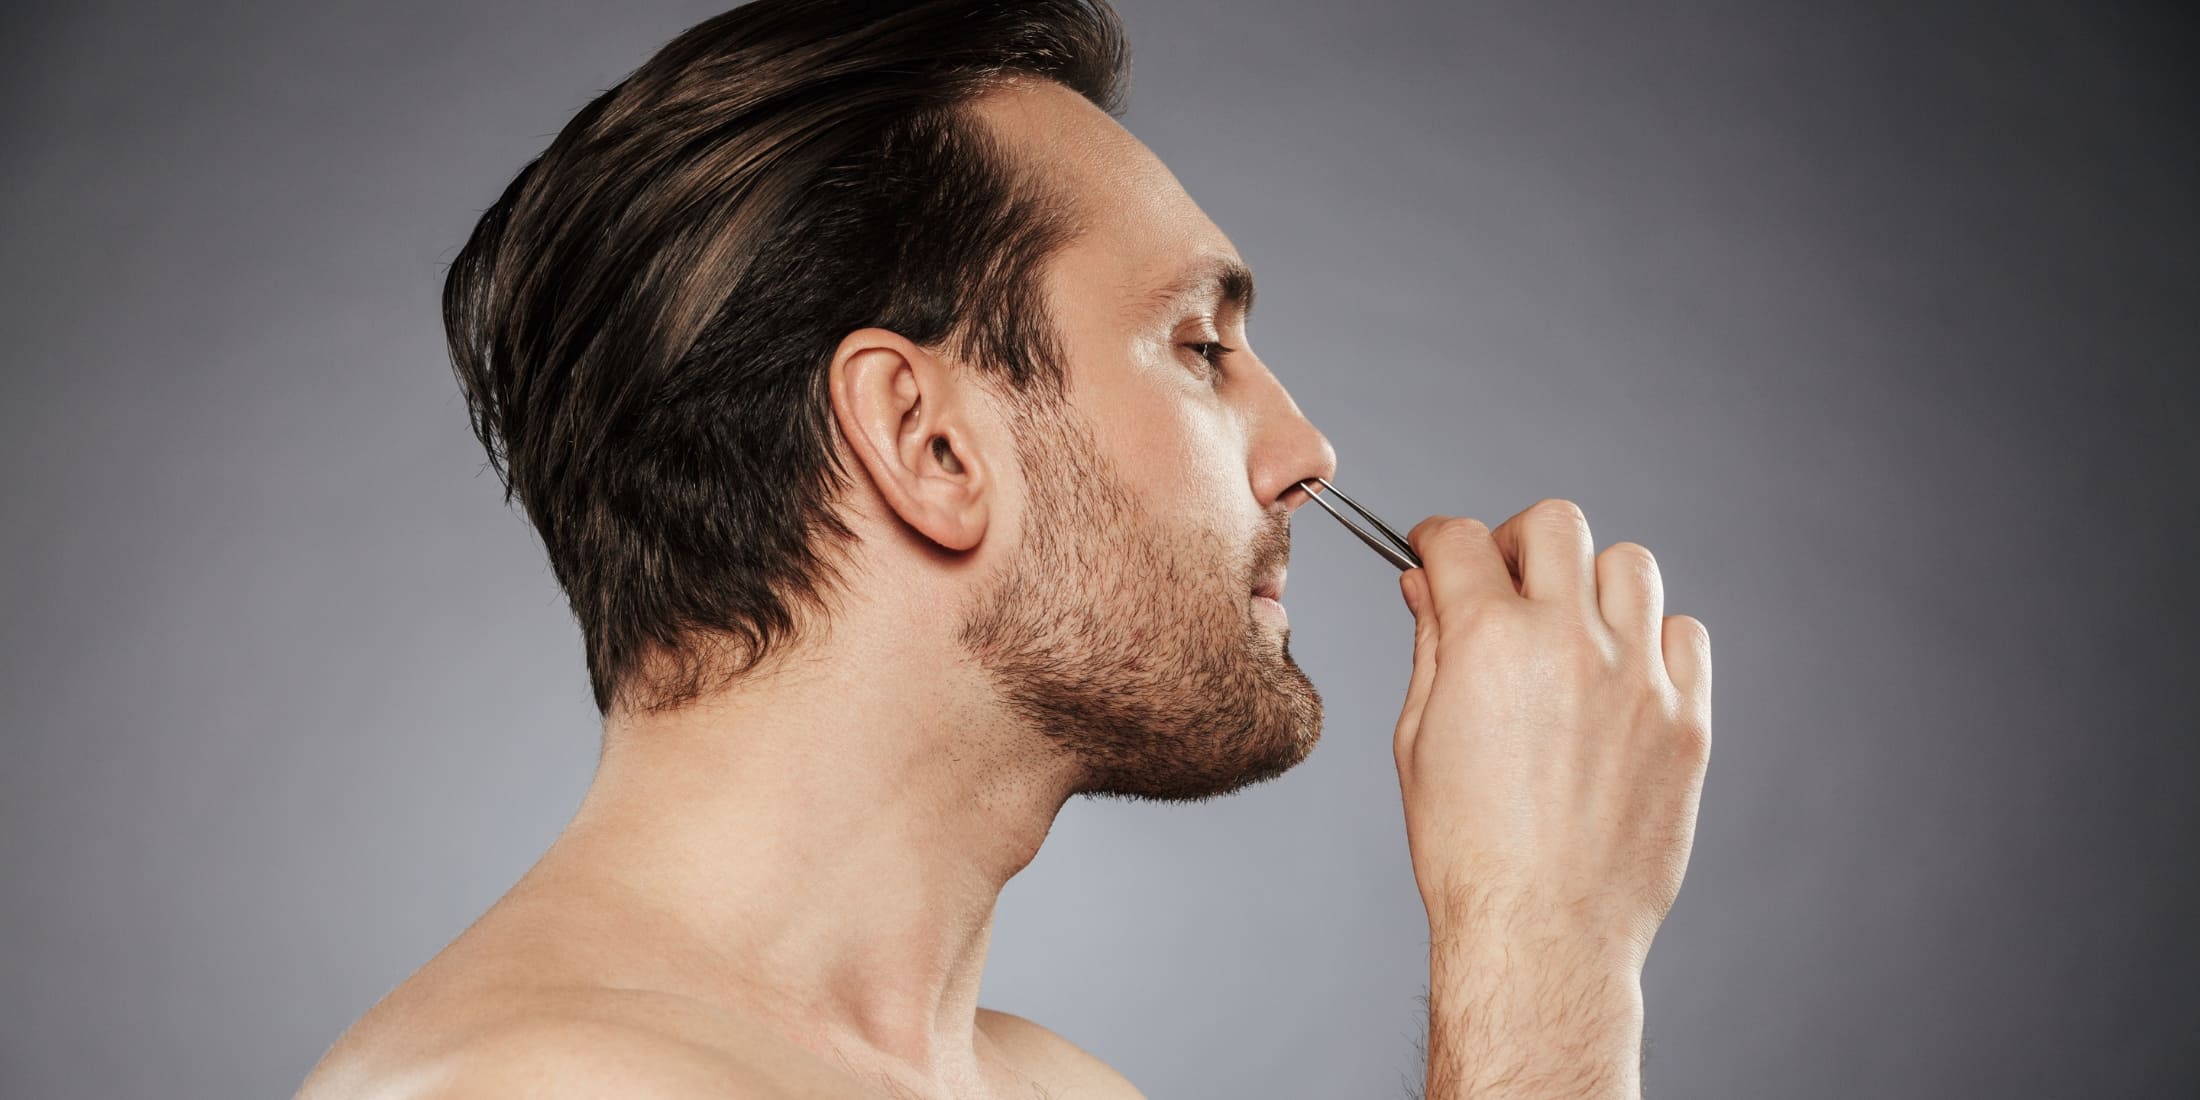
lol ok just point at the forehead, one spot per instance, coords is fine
(1145, 243)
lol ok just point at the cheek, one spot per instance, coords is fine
(1212, 466)
(1186, 455)
(1196, 489)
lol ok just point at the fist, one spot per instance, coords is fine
(1556, 729)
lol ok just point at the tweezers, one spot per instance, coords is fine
(1397, 551)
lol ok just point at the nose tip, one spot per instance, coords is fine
(1292, 450)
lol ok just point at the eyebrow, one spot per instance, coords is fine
(1210, 276)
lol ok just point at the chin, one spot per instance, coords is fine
(1265, 727)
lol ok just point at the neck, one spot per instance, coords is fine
(825, 846)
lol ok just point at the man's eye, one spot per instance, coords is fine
(1212, 352)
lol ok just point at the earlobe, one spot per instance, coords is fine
(901, 412)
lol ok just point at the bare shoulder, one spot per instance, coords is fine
(569, 1057)
(1066, 1070)
(602, 1044)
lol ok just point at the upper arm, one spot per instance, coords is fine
(1066, 1070)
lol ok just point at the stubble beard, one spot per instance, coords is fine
(1130, 642)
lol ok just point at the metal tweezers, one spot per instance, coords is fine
(1396, 551)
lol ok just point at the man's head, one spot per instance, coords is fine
(833, 296)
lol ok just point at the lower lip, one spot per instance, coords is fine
(1269, 605)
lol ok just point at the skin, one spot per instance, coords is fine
(787, 888)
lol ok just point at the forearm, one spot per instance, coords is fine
(1531, 1017)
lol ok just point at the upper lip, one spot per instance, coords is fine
(1270, 586)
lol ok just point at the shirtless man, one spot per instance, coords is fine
(840, 712)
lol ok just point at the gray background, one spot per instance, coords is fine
(1874, 324)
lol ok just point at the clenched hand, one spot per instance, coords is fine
(1551, 753)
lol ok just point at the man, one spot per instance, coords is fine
(889, 417)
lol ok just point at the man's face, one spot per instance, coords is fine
(1157, 500)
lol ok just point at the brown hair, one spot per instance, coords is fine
(643, 320)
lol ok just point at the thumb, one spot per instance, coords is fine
(1413, 584)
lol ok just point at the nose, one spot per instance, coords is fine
(1286, 449)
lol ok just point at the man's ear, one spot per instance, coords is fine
(904, 416)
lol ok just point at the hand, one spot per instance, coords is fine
(1552, 747)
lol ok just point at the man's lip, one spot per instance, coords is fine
(1271, 587)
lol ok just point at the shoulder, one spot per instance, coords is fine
(596, 1051)
(554, 1058)
(1064, 1068)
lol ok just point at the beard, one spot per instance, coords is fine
(1131, 643)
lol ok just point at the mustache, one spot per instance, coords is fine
(1271, 545)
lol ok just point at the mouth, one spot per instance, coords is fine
(1270, 587)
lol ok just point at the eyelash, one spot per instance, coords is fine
(1214, 357)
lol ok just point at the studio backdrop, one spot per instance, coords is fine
(1875, 323)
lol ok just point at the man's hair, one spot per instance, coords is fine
(643, 322)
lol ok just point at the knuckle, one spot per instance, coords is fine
(1689, 723)
(1693, 738)
(1631, 555)
(1421, 530)
(1690, 630)
(1629, 560)
(1456, 533)
(1559, 511)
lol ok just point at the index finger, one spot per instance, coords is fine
(1464, 565)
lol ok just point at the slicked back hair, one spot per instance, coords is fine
(642, 323)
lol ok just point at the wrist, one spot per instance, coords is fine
(1528, 1018)
(1488, 925)
(1546, 962)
